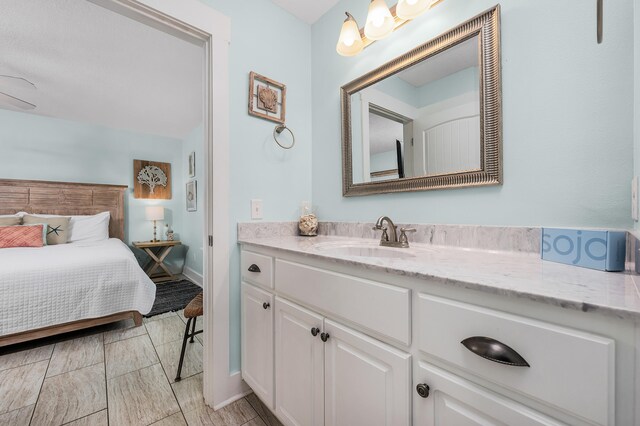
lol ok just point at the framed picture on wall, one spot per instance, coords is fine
(192, 196)
(267, 98)
(192, 164)
(151, 180)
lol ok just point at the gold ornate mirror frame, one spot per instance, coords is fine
(487, 27)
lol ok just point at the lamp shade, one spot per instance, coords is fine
(410, 9)
(349, 43)
(154, 212)
(380, 22)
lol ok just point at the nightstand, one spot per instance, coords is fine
(157, 251)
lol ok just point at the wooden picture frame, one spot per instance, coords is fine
(191, 195)
(267, 98)
(192, 164)
(143, 190)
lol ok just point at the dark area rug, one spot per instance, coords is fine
(173, 296)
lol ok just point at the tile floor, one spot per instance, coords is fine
(116, 375)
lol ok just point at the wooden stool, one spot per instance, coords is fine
(191, 312)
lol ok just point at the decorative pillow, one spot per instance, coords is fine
(57, 227)
(10, 220)
(90, 228)
(21, 236)
(84, 228)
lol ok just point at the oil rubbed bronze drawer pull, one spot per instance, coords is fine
(254, 268)
(494, 350)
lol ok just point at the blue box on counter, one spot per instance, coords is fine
(603, 250)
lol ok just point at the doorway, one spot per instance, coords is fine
(196, 22)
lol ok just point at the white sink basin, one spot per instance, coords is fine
(362, 249)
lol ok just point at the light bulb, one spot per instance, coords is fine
(349, 43)
(411, 9)
(380, 23)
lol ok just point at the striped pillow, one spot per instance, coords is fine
(21, 236)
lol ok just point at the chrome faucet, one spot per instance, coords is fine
(391, 238)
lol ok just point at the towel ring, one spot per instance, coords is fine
(278, 130)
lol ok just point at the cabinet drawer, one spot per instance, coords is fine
(568, 369)
(381, 308)
(257, 269)
(455, 401)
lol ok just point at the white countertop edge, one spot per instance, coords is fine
(577, 303)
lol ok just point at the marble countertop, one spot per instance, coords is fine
(522, 275)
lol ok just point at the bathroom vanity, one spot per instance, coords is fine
(342, 331)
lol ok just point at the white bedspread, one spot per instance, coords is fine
(40, 287)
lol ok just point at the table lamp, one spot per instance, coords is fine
(154, 213)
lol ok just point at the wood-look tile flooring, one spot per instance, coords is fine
(116, 375)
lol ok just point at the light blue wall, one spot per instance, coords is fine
(271, 42)
(448, 87)
(44, 148)
(193, 222)
(398, 88)
(567, 112)
(384, 161)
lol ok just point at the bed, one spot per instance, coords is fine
(66, 287)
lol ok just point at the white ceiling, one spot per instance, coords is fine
(457, 58)
(308, 11)
(92, 65)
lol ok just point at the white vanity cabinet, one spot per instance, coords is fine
(344, 346)
(562, 363)
(367, 382)
(451, 400)
(257, 342)
(329, 374)
(299, 365)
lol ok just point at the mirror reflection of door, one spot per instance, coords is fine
(387, 132)
(432, 110)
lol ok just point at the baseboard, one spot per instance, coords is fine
(246, 390)
(193, 276)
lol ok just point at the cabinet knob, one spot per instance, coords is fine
(315, 331)
(423, 390)
(254, 268)
(266, 305)
(324, 336)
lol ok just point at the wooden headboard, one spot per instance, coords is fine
(64, 198)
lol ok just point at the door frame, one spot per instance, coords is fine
(193, 21)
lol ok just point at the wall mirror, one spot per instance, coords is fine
(429, 119)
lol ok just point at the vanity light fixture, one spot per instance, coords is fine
(381, 21)
(410, 9)
(350, 42)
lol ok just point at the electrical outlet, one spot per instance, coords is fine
(256, 209)
(634, 198)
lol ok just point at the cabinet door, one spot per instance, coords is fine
(299, 365)
(367, 382)
(453, 400)
(257, 342)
